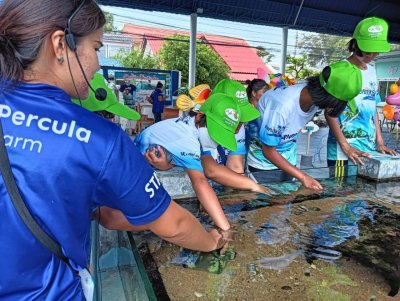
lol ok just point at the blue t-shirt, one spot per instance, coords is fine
(358, 128)
(158, 106)
(67, 162)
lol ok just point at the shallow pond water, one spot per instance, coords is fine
(295, 244)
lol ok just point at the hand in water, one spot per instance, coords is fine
(223, 242)
(311, 183)
(261, 189)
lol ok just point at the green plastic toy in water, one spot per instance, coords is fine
(211, 262)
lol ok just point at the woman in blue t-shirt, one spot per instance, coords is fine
(67, 161)
(157, 98)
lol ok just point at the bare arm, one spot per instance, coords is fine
(175, 225)
(351, 152)
(235, 163)
(276, 158)
(227, 177)
(380, 144)
(208, 198)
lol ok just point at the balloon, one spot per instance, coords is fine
(394, 88)
(388, 112)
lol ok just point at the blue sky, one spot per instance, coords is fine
(255, 35)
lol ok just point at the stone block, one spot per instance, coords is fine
(177, 183)
(380, 168)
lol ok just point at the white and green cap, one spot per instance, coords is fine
(238, 92)
(222, 117)
(371, 35)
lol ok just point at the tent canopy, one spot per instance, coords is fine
(324, 16)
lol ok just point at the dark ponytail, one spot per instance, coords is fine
(26, 25)
(321, 98)
(10, 61)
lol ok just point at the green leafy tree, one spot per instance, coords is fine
(137, 59)
(298, 68)
(264, 54)
(323, 49)
(109, 26)
(210, 68)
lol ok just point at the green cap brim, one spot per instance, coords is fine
(352, 106)
(123, 111)
(221, 135)
(373, 46)
(110, 104)
(248, 112)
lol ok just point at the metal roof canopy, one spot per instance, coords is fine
(324, 16)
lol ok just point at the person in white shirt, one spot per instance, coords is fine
(285, 110)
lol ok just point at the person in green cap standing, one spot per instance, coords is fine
(285, 110)
(354, 133)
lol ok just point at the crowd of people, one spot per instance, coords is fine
(69, 165)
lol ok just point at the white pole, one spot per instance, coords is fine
(285, 30)
(192, 50)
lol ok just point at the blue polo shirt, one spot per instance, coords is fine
(158, 106)
(67, 162)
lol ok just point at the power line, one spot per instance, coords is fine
(209, 42)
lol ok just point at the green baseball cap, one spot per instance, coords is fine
(238, 92)
(344, 82)
(110, 104)
(371, 35)
(222, 116)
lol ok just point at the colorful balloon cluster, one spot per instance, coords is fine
(280, 80)
(275, 80)
(195, 96)
(390, 112)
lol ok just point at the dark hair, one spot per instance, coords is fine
(254, 85)
(321, 98)
(25, 26)
(105, 114)
(352, 46)
(159, 85)
(202, 121)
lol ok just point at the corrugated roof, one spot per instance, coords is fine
(326, 16)
(236, 53)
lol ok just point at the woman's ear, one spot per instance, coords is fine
(58, 44)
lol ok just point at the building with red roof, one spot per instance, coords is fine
(237, 54)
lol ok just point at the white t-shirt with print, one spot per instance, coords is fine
(280, 121)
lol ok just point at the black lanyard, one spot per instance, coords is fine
(20, 205)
